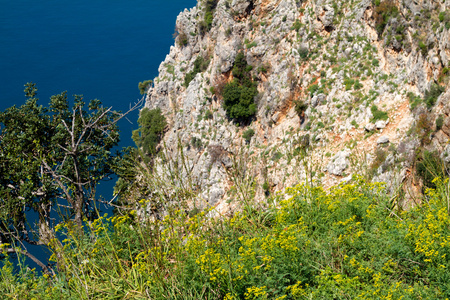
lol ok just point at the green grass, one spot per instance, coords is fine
(347, 242)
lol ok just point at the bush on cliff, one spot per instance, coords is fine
(151, 128)
(143, 86)
(238, 95)
(206, 24)
(384, 11)
(200, 65)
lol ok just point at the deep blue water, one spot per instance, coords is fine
(98, 48)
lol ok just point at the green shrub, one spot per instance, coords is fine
(238, 95)
(349, 82)
(151, 128)
(143, 86)
(263, 69)
(439, 122)
(358, 85)
(423, 48)
(239, 101)
(375, 62)
(300, 108)
(378, 114)
(424, 128)
(414, 100)
(206, 23)
(430, 166)
(208, 115)
(383, 13)
(248, 134)
(431, 95)
(303, 52)
(200, 65)
(315, 88)
(297, 25)
(196, 142)
(380, 157)
(182, 39)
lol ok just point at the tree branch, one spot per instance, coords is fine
(46, 269)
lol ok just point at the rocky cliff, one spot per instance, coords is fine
(343, 87)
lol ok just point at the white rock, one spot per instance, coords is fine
(383, 140)
(369, 127)
(339, 162)
(380, 124)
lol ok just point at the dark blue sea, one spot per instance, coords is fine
(98, 48)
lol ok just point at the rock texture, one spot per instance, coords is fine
(329, 54)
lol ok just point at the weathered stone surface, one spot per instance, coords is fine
(369, 127)
(287, 62)
(383, 140)
(380, 124)
(339, 162)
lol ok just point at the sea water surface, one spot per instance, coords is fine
(98, 48)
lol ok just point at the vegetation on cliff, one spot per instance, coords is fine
(348, 242)
(239, 94)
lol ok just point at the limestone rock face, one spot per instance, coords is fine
(320, 67)
(339, 162)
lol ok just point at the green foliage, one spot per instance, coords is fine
(303, 52)
(380, 157)
(238, 95)
(248, 134)
(263, 69)
(151, 128)
(414, 100)
(423, 48)
(378, 114)
(239, 101)
(208, 115)
(429, 99)
(349, 82)
(430, 166)
(300, 108)
(439, 122)
(444, 16)
(358, 85)
(297, 25)
(200, 65)
(143, 86)
(182, 39)
(196, 142)
(423, 129)
(431, 95)
(383, 13)
(343, 243)
(49, 156)
(206, 23)
(313, 89)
